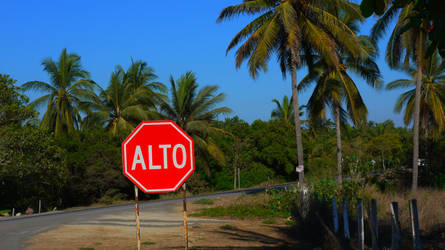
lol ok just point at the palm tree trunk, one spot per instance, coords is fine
(297, 123)
(338, 134)
(417, 113)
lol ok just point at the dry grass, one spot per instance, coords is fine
(430, 203)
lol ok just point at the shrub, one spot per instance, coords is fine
(325, 189)
(281, 201)
(257, 174)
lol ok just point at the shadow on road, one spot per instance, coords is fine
(237, 234)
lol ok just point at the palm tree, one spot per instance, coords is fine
(283, 111)
(131, 97)
(69, 87)
(194, 110)
(335, 87)
(407, 43)
(432, 96)
(294, 30)
(140, 74)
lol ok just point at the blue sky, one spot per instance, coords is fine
(172, 36)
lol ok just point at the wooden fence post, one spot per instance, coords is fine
(414, 224)
(373, 225)
(395, 227)
(335, 214)
(346, 219)
(360, 229)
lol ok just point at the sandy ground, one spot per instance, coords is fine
(163, 229)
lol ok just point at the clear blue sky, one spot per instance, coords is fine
(172, 36)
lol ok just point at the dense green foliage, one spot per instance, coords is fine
(85, 166)
(72, 155)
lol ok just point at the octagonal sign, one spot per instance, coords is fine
(158, 156)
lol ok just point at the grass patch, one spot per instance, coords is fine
(242, 211)
(5, 211)
(148, 243)
(204, 202)
(290, 223)
(227, 227)
(270, 221)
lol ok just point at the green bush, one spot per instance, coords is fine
(111, 196)
(6, 211)
(257, 174)
(281, 201)
(325, 189)
(224, 180)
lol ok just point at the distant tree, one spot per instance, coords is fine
(283, 111)
(32, 168)
(432, 96)
(13, 105)
(69, 87)
(131, 97)
(140, 74)
(194, 110)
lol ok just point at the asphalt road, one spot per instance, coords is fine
(15, 231)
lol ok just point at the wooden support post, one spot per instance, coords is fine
(138, 228)
(40, 205)
(234, 178)
(335, 214)
(414, 224)
(346, 219)
(373, 224)
(186, 237)
(360, 225)
(239, 179)
(395, 227)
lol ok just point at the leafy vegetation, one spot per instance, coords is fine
(72, 155)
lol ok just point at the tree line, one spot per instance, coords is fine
(71, 156)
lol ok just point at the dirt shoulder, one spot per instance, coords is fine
(163, 229)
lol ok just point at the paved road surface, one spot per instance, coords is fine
(14, 232)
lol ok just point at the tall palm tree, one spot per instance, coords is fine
(194, 110)
(131, 97)
(68, 88)
(432, 95)
(294, 30)
(406, 44)
(336, 88)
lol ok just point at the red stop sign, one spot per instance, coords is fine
(158, 156)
